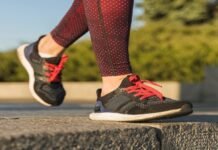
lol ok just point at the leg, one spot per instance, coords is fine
(71, 27)
(123, 97)
(109, 23)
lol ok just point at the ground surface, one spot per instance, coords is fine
(202, 112)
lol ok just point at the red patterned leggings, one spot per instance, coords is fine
(109, 23)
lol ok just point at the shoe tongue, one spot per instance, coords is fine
(53, 60)
(126, 82)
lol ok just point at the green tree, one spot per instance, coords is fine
(10, 67)
(82, 64)
(183, 11)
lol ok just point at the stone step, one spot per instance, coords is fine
(78, 132)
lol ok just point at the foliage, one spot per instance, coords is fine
(82, 64)
(170, 51)
(10, 67)
(183, 11)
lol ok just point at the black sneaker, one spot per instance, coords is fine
(44, 75)
(135, 101)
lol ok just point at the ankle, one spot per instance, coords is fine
(111, 83)
(48, 46)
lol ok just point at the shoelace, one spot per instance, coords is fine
(141, 90)
(55, 70)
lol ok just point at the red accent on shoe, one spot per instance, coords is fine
(54, 70)
(141, 90)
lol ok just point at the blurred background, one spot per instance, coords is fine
(172, 41)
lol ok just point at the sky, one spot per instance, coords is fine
(25, 20)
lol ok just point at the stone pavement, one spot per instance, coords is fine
(31, 126)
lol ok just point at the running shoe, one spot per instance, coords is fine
(44, 75)
(135, 101)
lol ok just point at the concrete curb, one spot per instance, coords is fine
(76, 91)
(81, 133)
